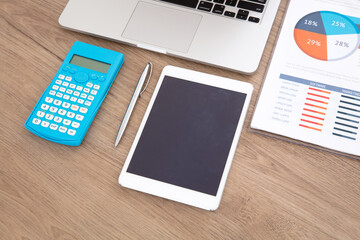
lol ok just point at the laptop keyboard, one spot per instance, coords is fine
(250, 10)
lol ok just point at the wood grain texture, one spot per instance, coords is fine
(275, 189)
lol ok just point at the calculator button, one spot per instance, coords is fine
(68, 78)
(57, 102)
(58, 81)
(49, 116)
(86, 90)
(72, 85)
(74, 124)
(93, 92)
(76, 93)
(40, 114)
(80, 101)
(37, 121)
(44, 107)
(52, 92)
(53, 109)
(74, 107)
(73, 70)
(65, 84)
(62, 112)
(53, 126)
(94, 76)
(96, 87)
(79, 88)
(62, 129)
(62, 89)
(89, 84)
(69, 91)
(66, 122)
(81, 77)
(83, 110)
(66, 105)
(49, 99)
(61, 76)
(57, 119)
(91, 98)
(65, 69)
(73, 99)
(87, 103)
(79, 117)
(102, 78)
(55, 87)
(45, 124)
(83, 95)
(71, 132)
(70, 114)
(59, 94)
(66, 97)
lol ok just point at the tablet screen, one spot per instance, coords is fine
(187, 137)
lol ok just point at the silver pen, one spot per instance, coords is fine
(137, 92)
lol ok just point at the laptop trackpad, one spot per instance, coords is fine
(163, 27)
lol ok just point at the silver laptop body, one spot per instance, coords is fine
(227, 36)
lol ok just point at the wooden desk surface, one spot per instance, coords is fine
(275, 189)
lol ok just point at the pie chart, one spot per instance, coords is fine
(327, 36)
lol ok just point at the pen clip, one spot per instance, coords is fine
(149, 72)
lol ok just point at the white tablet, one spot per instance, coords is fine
(187, 139)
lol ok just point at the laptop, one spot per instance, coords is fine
(229, 34)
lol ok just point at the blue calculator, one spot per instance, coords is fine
(66, 109)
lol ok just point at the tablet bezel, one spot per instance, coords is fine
(176, 193)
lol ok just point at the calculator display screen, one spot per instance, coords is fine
(90, 63)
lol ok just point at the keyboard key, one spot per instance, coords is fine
(254, 19)
(73, 99)
(187, 3)
(75, 124)
(49, 99)
(45, 124)
(52, 92)
(36, 121)
(81, 101)
(86, 90)
(62, 129)
(72, 85)
(229, 14)
(242, 14)
(87, 103)
(68, 79)
(65, 84)
(69, 91)
(49, 116)
(55, 87)
(89, 84)
(83, 95)
(61, 76)
(219, 1)
(251, 6)
(40, 114)
(45, 107)
(205, 6)
(57, 119)
(62, 89)
(76, 93)
(71, 132)
(79, 88)
(231, 2)
(93, 92)
(218, 9)
(59, 94)
(258, 1)
(53, 126)
(91, 98)
(79, 117)
(96, 87)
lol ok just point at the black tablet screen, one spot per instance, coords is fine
(188, 134)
